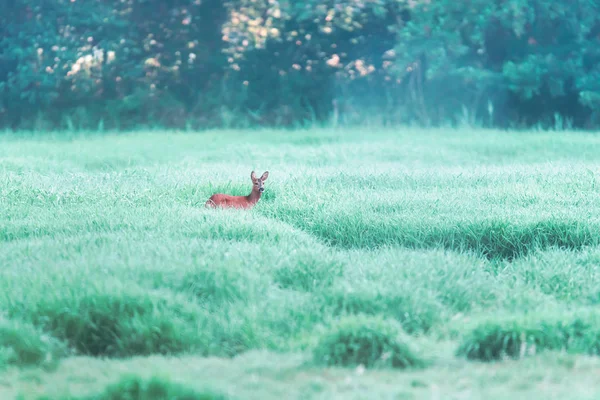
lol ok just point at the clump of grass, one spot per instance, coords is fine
(494, 341)
(119, 323)
(516, 339)
(124, 322)
(370, 341)
(136, 388)
(22, 344)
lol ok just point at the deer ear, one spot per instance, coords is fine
(253, 176)
(264, 176)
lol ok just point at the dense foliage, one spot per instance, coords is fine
(200, 63)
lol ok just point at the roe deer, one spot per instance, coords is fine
(228, 201)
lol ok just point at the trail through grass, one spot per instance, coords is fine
(423, 253)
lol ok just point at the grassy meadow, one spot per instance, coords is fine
(379, 264)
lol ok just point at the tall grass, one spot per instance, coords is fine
(106, 249)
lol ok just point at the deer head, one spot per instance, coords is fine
(258, 183)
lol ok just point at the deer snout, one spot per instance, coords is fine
(261, 189)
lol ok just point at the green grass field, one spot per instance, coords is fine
(392, 264)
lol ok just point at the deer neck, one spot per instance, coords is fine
(254, 196)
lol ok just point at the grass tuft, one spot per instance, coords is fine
(516, 339)
(493, 342)
(136, 388)
(119, 323)
(368, 341)
(22, 344)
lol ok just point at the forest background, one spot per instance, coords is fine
(195, 64)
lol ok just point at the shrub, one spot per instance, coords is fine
(530, 62)
(370, 341)
(93, 65)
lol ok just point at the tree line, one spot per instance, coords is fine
(87, 64)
